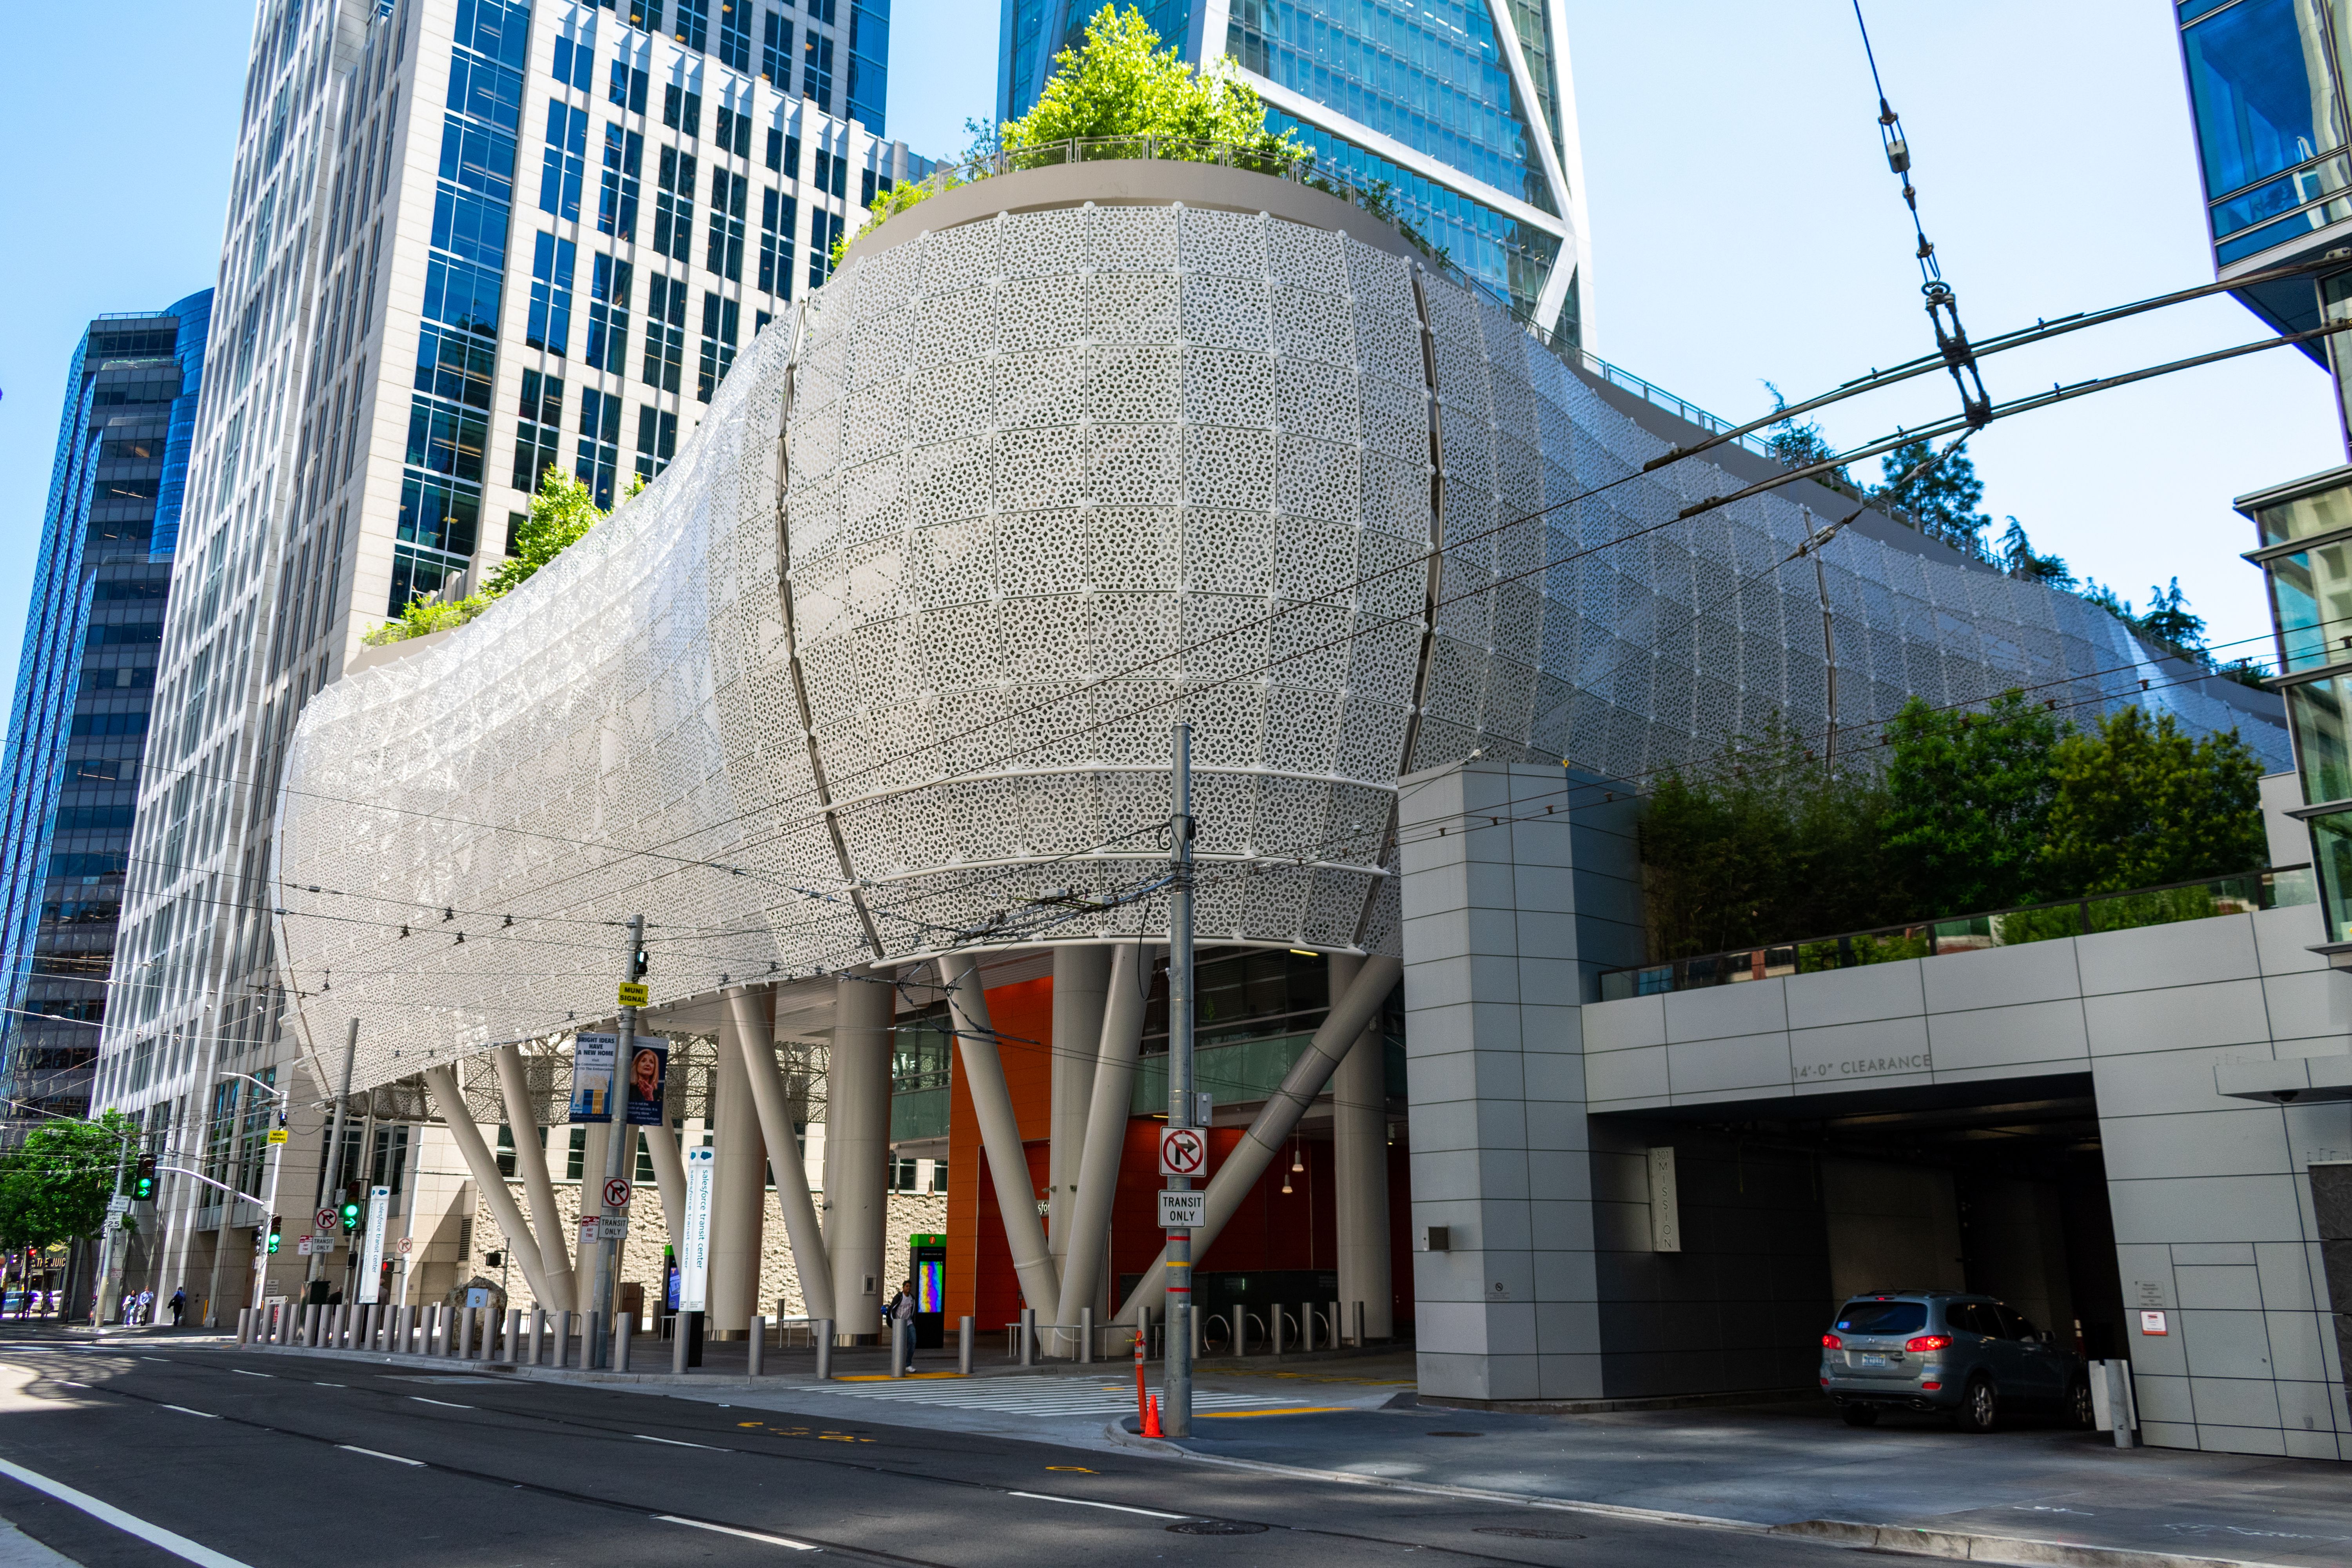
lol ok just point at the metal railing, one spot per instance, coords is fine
(1378, 199)
(2277, 887)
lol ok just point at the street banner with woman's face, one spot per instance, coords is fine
(647, 1067)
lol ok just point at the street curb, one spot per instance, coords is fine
(1950, 1544)
(1971, 1547)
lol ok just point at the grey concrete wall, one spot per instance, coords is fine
(1516, 882)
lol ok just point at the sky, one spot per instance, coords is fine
(1745, 228)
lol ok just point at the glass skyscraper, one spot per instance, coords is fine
(85, 682)
(466, 241)
(1463, 108)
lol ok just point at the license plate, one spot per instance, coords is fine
(1869, 1360)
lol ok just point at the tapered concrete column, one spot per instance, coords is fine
(756, 1034)
(670, 1175)
(483, 1165)
(531, 1165)
(737, 1181)
(857, 1153)
(1111, 1094)
(1080, 973)
(1000, 1133)
(1359, 1136)
(1277, 1119)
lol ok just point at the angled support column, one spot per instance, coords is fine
(737, 1181)
(670, 1173)
(1276, 1120)
(1080, 971)
(1097, 1178)
(1360, 1141)
(1000, 1133)
(531, 1160)
(755, 1034)
(484, 1167)
(857, 1151)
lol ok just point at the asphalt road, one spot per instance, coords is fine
(272, 1459)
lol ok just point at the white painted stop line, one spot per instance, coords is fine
(130, 1524)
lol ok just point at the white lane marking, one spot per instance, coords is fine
(130, 1524)
(1088, 1502)
(327, 1385)
(166, 1360)
(442, 1403)
(69, 1383)
(242, 1373)
(185, 1411)
(730, 1529)
(373, 1454)
(675, 1444)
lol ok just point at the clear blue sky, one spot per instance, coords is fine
(1744, 227)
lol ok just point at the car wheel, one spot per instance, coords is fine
(2079, 1410)
(1859, 1415)
(1980, 1408)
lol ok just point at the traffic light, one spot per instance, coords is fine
(142, 1180)
(637, 964)
(350, 1215)
(276, 1229)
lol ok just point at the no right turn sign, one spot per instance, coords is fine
(1183, 1151)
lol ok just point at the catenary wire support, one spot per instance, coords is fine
(1943, 302)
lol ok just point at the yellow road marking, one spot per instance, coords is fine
(1290, 1410)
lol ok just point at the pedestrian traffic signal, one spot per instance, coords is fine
(637, 964)
(142, 1180)
(350, 1215)
(275, 1227)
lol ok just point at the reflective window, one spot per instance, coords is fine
(2305, 517)
(2263, 96)
(2311, 597)
(2331, 848)
(2323, 748)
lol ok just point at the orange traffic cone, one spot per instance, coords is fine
(1151, 1417)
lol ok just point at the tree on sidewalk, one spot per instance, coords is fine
(53, 1188)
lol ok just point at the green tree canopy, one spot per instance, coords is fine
(53, 1188)
(2138, 805)
(1944, 499)
(562, 509)
(1122, 83)
(1763, 842)
(1967, 801)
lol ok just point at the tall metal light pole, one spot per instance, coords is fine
(270, 1193)
(1176, 1397)
(106, 1239)
(608, 1244)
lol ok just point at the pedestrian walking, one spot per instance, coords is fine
(179, 1304)
(146, 1308)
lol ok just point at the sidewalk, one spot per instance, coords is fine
(1795, 1468)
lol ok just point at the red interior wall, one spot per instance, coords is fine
(1272, 1229)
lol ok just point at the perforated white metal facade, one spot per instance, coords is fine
(1056, 480)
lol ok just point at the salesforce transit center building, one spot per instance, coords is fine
(866, 707)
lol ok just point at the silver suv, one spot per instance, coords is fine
(1969, 1357)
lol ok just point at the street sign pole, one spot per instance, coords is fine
(608, 1246)
(277, 1136)
(1176, 1399)
(106, 1243)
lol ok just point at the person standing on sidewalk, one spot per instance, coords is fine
(179, 1305)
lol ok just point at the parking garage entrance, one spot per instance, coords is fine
(1786, 1208)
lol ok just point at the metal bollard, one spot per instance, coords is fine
(755, 1354)
(562, 1339)
(312, 1321)
(1028, 1336)
(465, 1334)
(538, 1331)
(1085, 1335)
(244, 1323)
(824, 1349)
(347, 1332)
(963, 1346)
(1276, 1326)
(514, 1333)
(1307, 1316)
(681, 1336)
(898, 1348)
(1241, 1332)
(621, 1327)
(1359, 1325)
